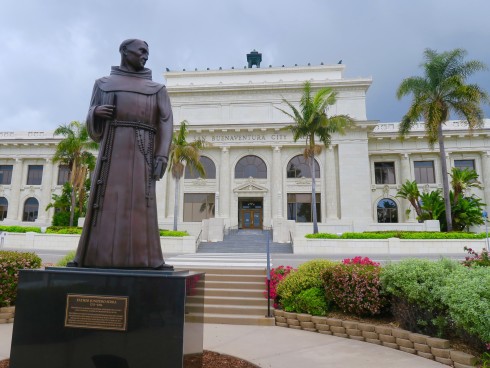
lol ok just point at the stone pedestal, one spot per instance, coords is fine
(100, 318)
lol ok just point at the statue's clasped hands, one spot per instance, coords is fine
(106, 112)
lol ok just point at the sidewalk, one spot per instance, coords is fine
(279, 347)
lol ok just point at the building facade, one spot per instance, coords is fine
(256, 174)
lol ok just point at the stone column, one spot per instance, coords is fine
(15, 207)
(170, 185)
(276, 180)
(485, 163)
(404, 176)
(331, 192)
(224, 183)
(46, 186)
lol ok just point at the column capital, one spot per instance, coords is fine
(276, 148)
(225, 149)
(405, 156)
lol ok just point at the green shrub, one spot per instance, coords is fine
(415, 286)
(355, 288)
(311, 301)
(10, 264)
(68, 258)
(307, 276)
(398, 234)
(467, 297)
(173, 233)
(64, 230)
(20, 229)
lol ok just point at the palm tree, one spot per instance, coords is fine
(183, 153)
(410, 191)
(311, 121)
(74, 151)
(440, 92)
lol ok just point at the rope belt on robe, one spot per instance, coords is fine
(145, 137)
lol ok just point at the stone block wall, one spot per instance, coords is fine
(7, 314)
(390, 337)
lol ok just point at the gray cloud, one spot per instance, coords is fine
(52, 51)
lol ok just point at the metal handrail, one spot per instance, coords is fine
(231, 230)
(269, 232)
(198, 239)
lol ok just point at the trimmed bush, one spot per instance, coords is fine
(68, 258)
(467, 297)
(277, 275)
(10, 264)
(355, 288)
(398, 234)
(311, 301)
(20, 229)
(307, 276)
(173, 233)
(63, 230)
(415, 285)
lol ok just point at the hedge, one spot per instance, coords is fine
(10, 264)
(398, 234)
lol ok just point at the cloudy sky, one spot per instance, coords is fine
(52, 50)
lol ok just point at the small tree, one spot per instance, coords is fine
(74, 151)
(311, 121)
(466, 209)
(183, 153)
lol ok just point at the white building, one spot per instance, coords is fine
(256, 175)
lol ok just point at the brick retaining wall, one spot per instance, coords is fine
(395, 338)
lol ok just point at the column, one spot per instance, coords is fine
(276, 180)
(15, 207)
(331, 193)
(224, 183)
(46, 185)
(170, 185)
(485, 163)
(404, 176)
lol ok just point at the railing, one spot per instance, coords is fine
(198, 239)
(232, 230)
(269, 232)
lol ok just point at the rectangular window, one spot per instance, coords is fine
(299, 207)
(198, 206)
(6, 174)
(464, 164)
(35, 175)
(63, 174)
(384, 172)
(424, 172)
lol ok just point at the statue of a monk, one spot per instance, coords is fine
(131, 117)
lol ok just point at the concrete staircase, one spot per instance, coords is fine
(245, 241)
(232, 294)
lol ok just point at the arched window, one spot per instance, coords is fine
(387, 211)
(299, 167)
(209, 169)
(251, 166)
(4, 205)
(31, 208)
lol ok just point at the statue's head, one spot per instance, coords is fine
(134, 54)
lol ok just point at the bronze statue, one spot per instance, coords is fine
(131, 117)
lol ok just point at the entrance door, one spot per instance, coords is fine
(250, 213)
(251, 219)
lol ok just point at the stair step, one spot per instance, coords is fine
(235, 285)
(245, 293)
(232, 320)
(231, 300)
(242, 310)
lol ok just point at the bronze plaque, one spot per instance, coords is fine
(98, 312)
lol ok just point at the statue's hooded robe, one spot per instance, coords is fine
(121, 228)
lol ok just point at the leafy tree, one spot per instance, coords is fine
(183, 153)
(442, 91)
(62, 204)
(74, 151)
(465, 210)
(311, 121)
